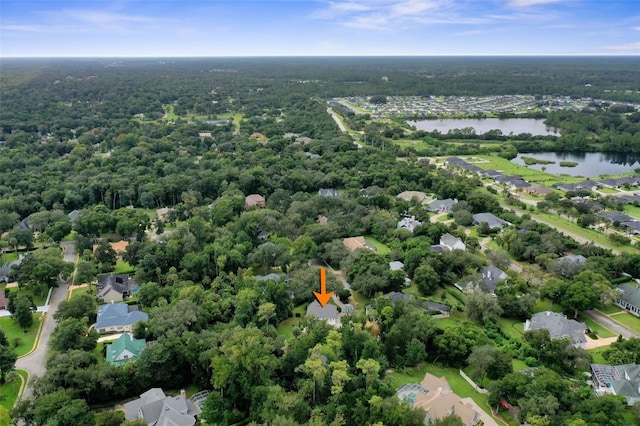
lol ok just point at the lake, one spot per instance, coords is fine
(516, 126)
(590, 164)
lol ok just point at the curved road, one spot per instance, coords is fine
(614, 326)
(35, 362)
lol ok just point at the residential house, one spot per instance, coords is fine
(421, 197)
(490, 219)
(262, 139)
(354, 243)
(614, 216)
(436, 308)
(633, 226)
(124, 349)
(629, 298)
(559, 327)
(396, 265)
(263, 235)
(328, 313)
(576, 259)
(329, 192)
(118, 318)
(452, 243)
(272, 276)
(623, 380)
(442, 206)
(312, 156)
(488, 280)
(74, 215)
(4, 301)
(204, 134)
(254, 200)
(409, 223)
(156, 409)
(588, 185)
(115, 287)
(537, 189)
(435, 397)
(322, 219)
(5, 269)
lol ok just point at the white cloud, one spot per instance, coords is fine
(629, 47)
(529, 3)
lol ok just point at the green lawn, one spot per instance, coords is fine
(600, 330)
(512, 328)
(608, 190)
(633, 211)
(381, 248)
(610, 309)
(281, 240)
(546, 305)
(360, 299)
(9, 257)
(529, 174)
(12, 331)
(518, 365)
(123, 267)
(78, 291)
(627, 319)
(285, 328)
(9, 391)
(596, 354)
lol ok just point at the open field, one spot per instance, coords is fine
(12, 331)
(381, 248)
(627, 319)
(9, 391)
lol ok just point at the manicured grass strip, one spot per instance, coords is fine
(512, 327)
(633, 211)
(285, 328)
(78, 291)
(610, 309)
(627, 319)
(9, 391)
(360, 299)
(8, 257)
(12, 331)
(381, 248)
(519, 365)
(600, 330)
(596, 354)
(543, 305)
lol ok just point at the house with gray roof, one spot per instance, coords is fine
(329, 192)
(490, 219)
(408, 223)
(559, 327)
(328, 313)
(5, 269)
(623, 380)
(442, 206)
(118, 318)
(629, 298)
(272, 276)
(490, 277)
(74, 215)
(115, 287)
(614, 216)
(156, 409)
(452, 243)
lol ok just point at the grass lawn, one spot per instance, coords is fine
(529, 174)
(285, 328)
(443, 296)
(512, 327)
(12, 331)
(600, 330)
(123, 267)
(381, 248)
(78, 291)
(281, 240)
(633, 211)
(518, 365)
(596, 354)
(546, 305)
(360, 300)
(608, 190)
(627, 319)
(9, 257)
(9, 391)
(610, 309)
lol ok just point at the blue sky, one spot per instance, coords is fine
(312, 27)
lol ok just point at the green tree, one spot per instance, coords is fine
(110, 418)
(482, 307)
(426, 279)
(42, 268)
(22, 311)
(7, 362)
(105, 256)
(72, 333)
(85, 272)
(58, 230)
(81, 306)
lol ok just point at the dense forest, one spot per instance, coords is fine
(116, 140)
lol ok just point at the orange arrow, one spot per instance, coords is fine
(323, 297)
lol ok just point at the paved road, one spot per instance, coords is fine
(611, 325)
(35, 362)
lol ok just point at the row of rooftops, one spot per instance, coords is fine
(516, 182)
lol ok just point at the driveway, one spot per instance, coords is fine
(612, 325)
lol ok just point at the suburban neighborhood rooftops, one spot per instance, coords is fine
(327, 312)
(118, 314)
(559, 326)
(490, 219)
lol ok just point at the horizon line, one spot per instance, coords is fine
(628, 55)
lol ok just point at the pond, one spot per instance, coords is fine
(516, 126)
(589, 164)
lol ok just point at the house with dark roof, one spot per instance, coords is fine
(328, 192)
(588, 185)
(623, 380)
(118, 318)
(629, 298)
(559, 327)
(328, 313)
(442, 206)
(614, 216)
(115, 287)
(156, 409)
(124, 349)
(490, 219)
(537, 189)
(5, 269)
(633, 226)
